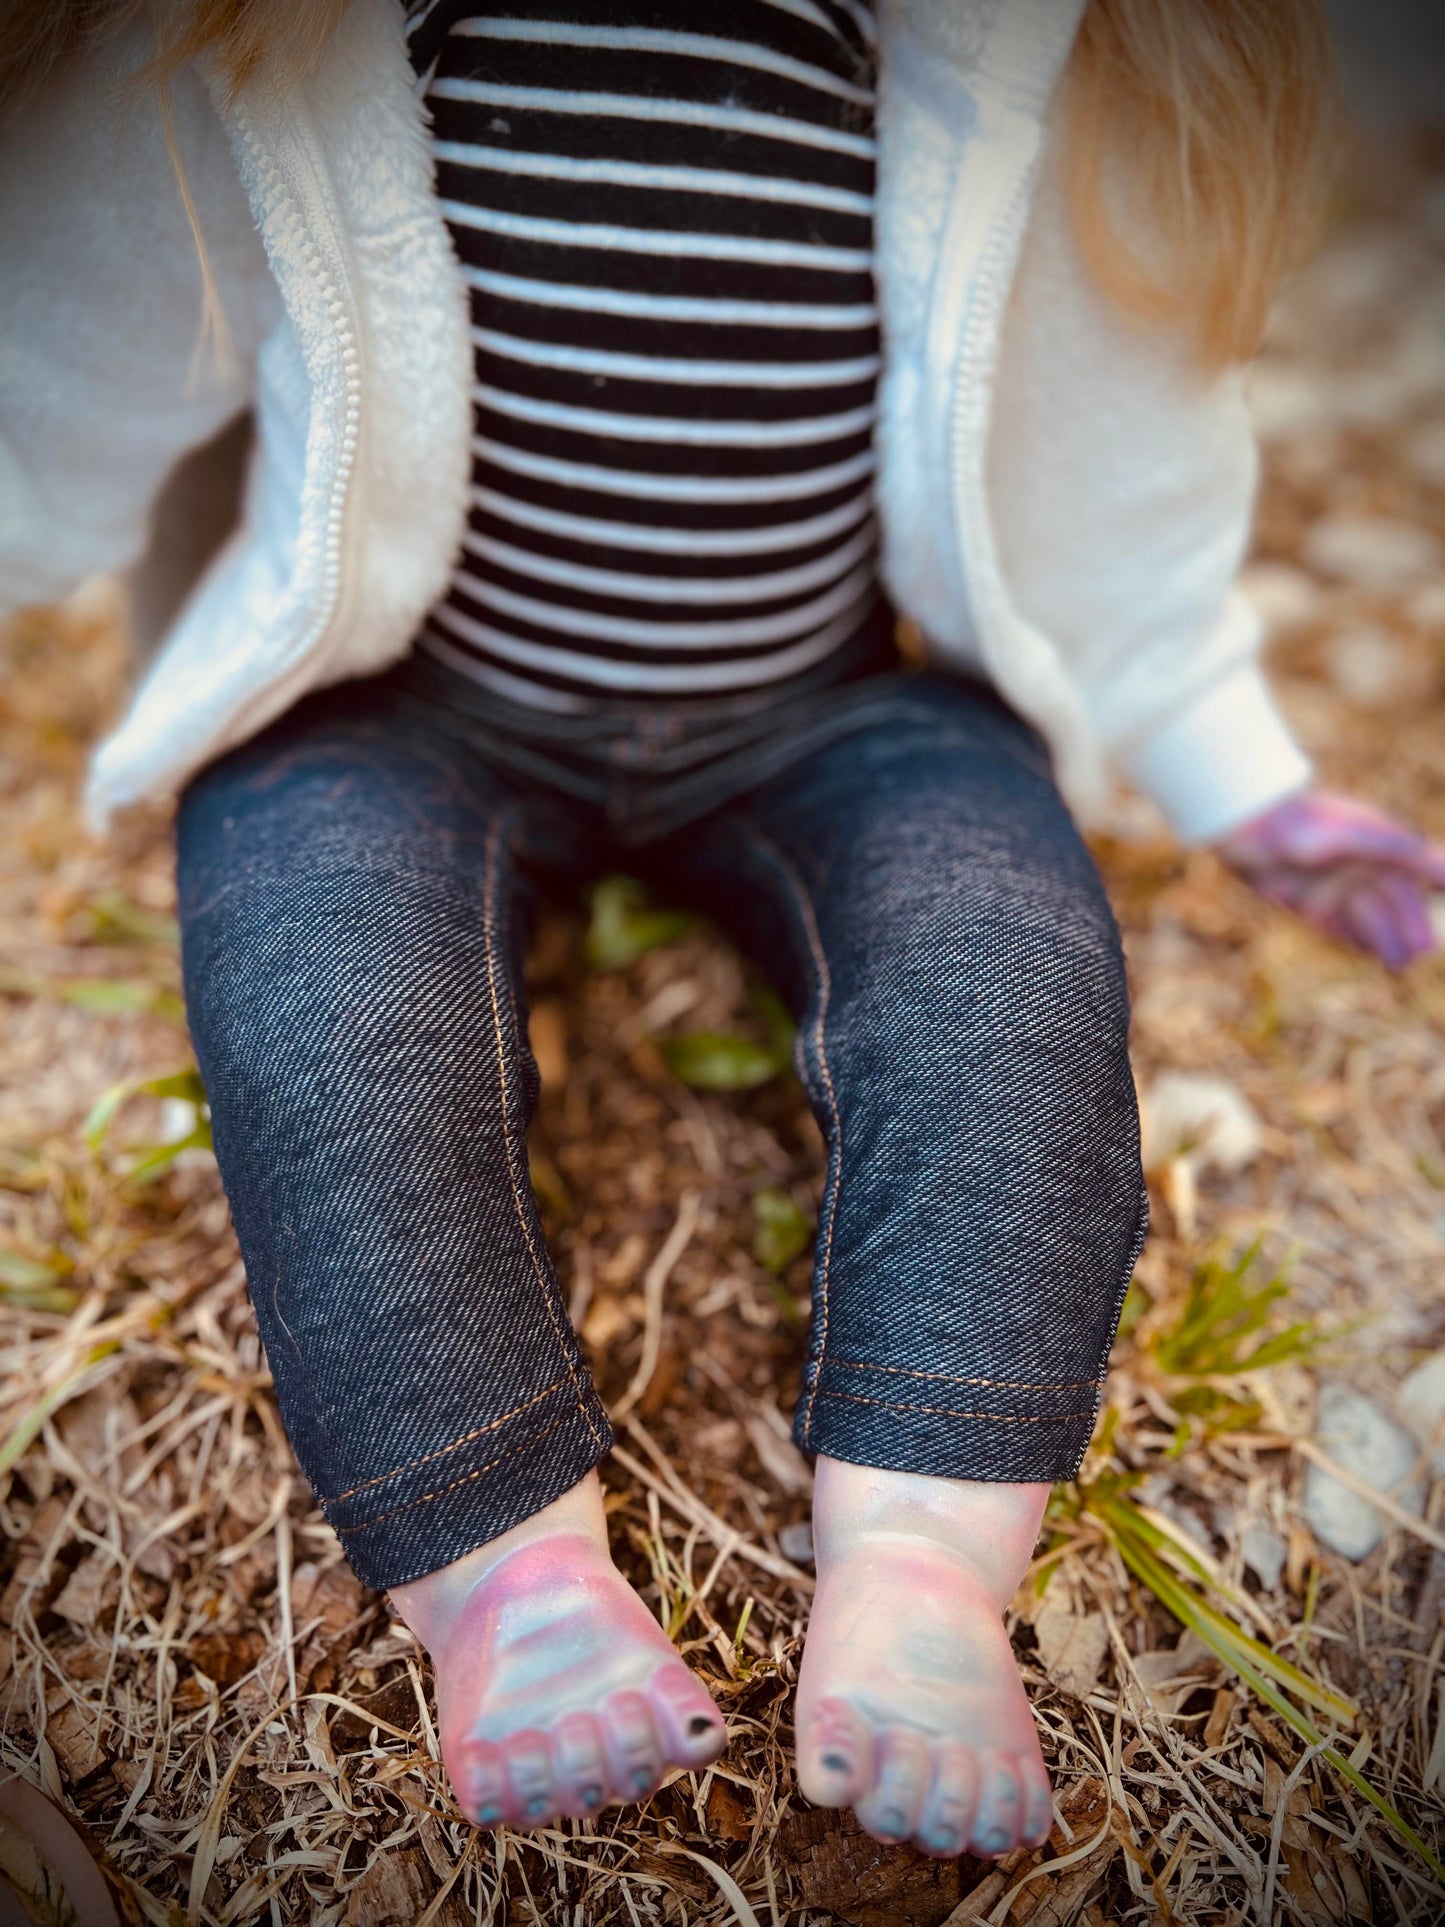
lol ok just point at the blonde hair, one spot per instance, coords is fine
(238, 36)
(1202, 139)
(1199, 139)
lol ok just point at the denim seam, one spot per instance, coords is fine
(494, 937)
(939, 1411)
(441, 1452)
(803, 904)
(467, 1478)
(948, 1378)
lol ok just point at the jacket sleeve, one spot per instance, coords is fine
(1121, 480)
(105, 378)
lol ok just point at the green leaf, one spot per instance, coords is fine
(152, 1159)
(23, 1281)
(117, 997)
(777, 1024)
(32, 1423)
(714, 1060)
(183, 1084)
(781, 1230)
(625, 925)
(1222, 1314)
(117, 918)
(1136, 1302)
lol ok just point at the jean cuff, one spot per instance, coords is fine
(433, 1509)
(949, 1427)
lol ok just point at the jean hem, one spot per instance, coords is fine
(499, 1479)
(1018, 1449)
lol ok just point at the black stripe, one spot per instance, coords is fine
(676, 210)
(669, 514)
(645, 335)
(638, 609)
(530, 130)
(696, 401)
(659, 458)
(616, 555)
(750, 20)
(641, 653)
(663, 273)
(665, 77)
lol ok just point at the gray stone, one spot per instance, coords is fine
(1363, 1439)
(796, 1543)
(1421, 1404)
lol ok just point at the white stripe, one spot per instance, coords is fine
(517, 689)
(862, 19)
(704, 46)
(674, 431)
(683, 113)
(644, 539)
(652, 588)
(610, 238)
(420, 15)
(640, 633)
(676, 488)
(670, 368)
(659, 678)
(682, 180)
(670, 307)
(805, 10)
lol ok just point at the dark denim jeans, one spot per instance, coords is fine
(355, 888)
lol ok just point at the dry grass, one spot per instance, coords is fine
(191, 1669)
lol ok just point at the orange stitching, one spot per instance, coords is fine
(442, 1450)
(947, 1378)
(522, 1445)
(937, 1411)
(491, 921)
(804, 905)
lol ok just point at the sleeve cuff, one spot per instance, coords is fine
(1227, 758)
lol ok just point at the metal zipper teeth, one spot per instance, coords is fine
(279, 192)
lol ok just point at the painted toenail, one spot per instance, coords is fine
(836, 1763)
(535, 1809)
(943, 1840)
(994, 1841)
(698, 1725)
(642, 1779)
(892, 1822)
(488, 1816)
(591, 1797)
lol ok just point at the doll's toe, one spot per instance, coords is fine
(949, 1809)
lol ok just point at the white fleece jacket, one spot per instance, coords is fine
(1065, 499)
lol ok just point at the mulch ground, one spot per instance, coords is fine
(187, 1665)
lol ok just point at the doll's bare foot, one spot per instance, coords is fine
(557, 1690)
(910, 1707)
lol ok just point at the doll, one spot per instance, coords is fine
(620, 373)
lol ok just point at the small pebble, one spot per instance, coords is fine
(796, 1543)
(1363, 1439)
(1420, 1402)
(1374, 552)
(1369, 666)
(1265, 1551)
(1284, 598)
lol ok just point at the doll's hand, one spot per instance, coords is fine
(1352, 871)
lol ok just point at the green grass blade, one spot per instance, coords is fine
(1173, 1593)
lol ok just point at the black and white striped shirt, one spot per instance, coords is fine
(664, 213)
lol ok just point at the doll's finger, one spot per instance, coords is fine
(1412, 916)
(1373, 924)
(1428, 863)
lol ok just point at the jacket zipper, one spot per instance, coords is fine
(280, 193)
